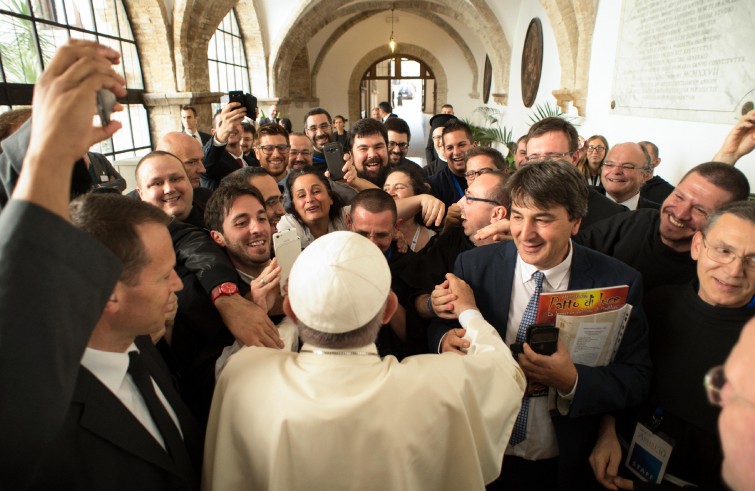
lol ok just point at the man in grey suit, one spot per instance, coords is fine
(54, 279)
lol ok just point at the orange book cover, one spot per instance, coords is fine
(580, 302)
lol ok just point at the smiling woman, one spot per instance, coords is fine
(315, 209)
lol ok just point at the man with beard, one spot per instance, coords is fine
(369, 152)
(319, 128)
(248, 135)
(271, 194)
(272, 151)
(449, 184)
(399, 135)
(300, 153)
(223, 154)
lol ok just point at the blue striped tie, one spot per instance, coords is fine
(529, 318)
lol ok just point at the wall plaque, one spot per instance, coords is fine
(532, 61)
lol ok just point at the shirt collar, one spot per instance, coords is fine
(631, 203)
(553, 276)
(109, 367)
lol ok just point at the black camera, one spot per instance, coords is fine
(542, 338)
(247, 101)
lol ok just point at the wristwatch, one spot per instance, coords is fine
(225, 289)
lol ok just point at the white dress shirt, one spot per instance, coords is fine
(111, 369)
(541, 438)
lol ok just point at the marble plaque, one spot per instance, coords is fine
(692, 60)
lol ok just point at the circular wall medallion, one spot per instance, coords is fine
(532, 61)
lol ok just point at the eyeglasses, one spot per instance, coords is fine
(723, 255)
(268, 149)
(470, 199)
(402, 146)
(322, 126)
(624, 167)
(596, 148)
(303, 153)
(274, 201)
(549, 155)
(472, 174)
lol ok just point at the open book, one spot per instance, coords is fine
(591, 322)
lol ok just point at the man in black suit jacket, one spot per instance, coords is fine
(222, 153)
(189, 122)
(111, 437)
(548, 200)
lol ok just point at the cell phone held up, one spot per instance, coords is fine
(247, 101)
(334, 158)
(542, 338)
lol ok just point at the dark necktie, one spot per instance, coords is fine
(240, 162)
(528, 318)
(172, 438)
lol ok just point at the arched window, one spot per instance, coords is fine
(226, 58)
(31, 31)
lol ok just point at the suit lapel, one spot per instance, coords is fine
(104, 415)
(582, 275)
(505, 281)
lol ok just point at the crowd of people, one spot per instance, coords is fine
(162, 351)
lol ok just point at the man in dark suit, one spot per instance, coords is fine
(386, 111)
(44, 334)
(120, 433)
(626, 167)
(222, 153)
(189, 122)
(548, 200)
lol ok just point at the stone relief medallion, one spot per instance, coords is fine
(532, 61)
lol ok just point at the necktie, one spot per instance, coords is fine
(529, 317)
(173, 441)
(240, 162)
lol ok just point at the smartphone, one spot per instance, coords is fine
(334, 158)
(287, 246)
(247, 101)
(542, 338)
(105, 104)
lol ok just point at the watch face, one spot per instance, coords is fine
(229, 288)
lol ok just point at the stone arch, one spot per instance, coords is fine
(573, 23)
(153, 38)
(315, 16)
(441, 81)
(435, 19)
(254, 47)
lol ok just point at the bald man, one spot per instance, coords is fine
(190, 152)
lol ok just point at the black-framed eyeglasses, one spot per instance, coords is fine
(472, 174)
(402, 146)
(550, 155)
(268, 149)
(624, 167)
(596, 148)
(470, 199)
(321, 126)
(723, 255)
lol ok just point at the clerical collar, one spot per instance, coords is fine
(369, 350)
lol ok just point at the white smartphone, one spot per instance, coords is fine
(287, 247)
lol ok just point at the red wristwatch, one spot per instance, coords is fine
(225, 289)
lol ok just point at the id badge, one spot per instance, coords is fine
(649, 454)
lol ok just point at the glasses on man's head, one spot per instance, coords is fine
(723, 255)
(542, 156)
(321, 126)
(268, 149)
(472, 174)
(470, 199)
(596, 148)
(625, 167)
(402, 146)
(303, 153)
